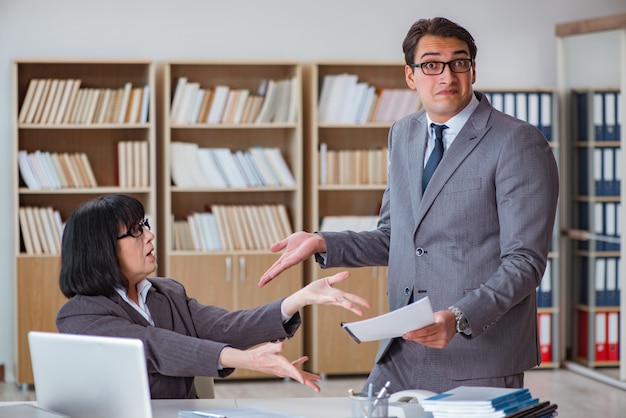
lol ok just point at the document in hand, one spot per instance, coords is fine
(392, 324)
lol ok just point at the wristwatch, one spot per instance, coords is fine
(462, 324)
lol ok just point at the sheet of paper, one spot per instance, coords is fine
(392, 324)
(247, 412)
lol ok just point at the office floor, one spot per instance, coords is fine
(577, 396)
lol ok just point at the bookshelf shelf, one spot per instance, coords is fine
(591, 190)
(229, 277)
(349, 198)
(37, 274)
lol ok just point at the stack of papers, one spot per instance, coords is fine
(484, 402)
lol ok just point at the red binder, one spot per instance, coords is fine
(545, 337)
(600, 336)
(612, 332)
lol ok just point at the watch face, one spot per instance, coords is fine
(462, 324)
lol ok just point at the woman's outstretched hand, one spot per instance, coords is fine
(323, 292)
(267, 359)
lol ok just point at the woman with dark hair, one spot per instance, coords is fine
(107, 256)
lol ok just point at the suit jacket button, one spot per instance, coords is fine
(407, 291)
(419, 251)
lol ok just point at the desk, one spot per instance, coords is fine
(314, 407)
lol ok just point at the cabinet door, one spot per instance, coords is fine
(249, 269)
(332, 350)
(207, 278)
(38, 301)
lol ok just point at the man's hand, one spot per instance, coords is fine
(436, 335)
(298, 247)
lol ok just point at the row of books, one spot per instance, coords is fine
(603, 274)
(133, 164)
(275, 101)
(599, 115)
(534, 107)
(232, 227)
(604, 338)
(51, 170)
(487, 402)
(41, 229)
(349, 223)
(195, 166)
(345, 99)
(64, 101)
(601, 219)
(600, 175)
(368, 166)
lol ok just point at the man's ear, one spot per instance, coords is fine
(408, 76)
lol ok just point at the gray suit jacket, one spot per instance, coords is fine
(187, 337)
(478, 238)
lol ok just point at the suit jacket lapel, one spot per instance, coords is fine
(416, 145)
(132, 312)
(465, 142)
(159, 309)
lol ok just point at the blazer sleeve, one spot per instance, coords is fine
(188, 337)
(526, 190)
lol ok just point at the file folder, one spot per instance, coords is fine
(612, 336)
(545, 337)
(600, 336)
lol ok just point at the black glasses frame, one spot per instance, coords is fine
(136, 231)
(443, 66)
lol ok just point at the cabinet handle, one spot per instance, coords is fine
(374, 272)
(229, 268)
(242, 269)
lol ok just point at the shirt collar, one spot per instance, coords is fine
(456, 122)
(142, 291)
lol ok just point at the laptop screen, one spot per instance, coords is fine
(90, 376)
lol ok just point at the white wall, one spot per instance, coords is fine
(516, 48)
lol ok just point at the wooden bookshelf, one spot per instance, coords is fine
(37, 291)
(326, 197)
(591, 185)
(228, 277)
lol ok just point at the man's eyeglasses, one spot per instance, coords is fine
(461, 65)
(136, 230)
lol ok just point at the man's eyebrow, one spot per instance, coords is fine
(436, 54)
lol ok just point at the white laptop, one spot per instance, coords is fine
(89, 376)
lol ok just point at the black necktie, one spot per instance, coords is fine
(435, 156)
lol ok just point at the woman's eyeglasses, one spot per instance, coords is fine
(136, 231)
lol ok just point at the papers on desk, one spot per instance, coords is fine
(25, 410)
(487, 402)
(247, 412)
(392, 324)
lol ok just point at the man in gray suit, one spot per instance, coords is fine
(475, 239)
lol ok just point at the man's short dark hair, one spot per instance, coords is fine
(438, 26)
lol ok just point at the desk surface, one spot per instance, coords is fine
(314, 407)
